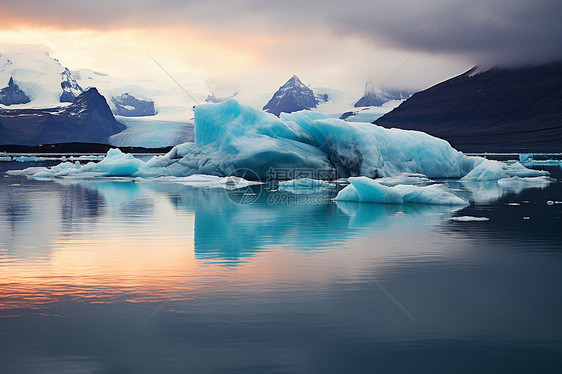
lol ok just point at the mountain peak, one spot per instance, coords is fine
(91, 100)
(291, 97)
(12, 94)
(376, 96)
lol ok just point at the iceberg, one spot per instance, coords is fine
(30, 158)
(491, 170)
(529, 160)
(114, 164)
(230, 136)
(363, 189)
(518, 183)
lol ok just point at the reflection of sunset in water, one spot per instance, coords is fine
(138, 242)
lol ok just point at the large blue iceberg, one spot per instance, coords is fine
(230, 136)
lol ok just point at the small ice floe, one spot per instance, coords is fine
(31, 158)
(491, 170)
(86, 158)
(526, 218)
(469, 219)
(539, 182)
(513, 204)
(405, 178)
(550, 202)
(305, 185)
(366, 190)
(529, 160)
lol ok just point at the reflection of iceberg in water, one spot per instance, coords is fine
(229, 233)
(379, 216)
(486, 192)
(128, 198)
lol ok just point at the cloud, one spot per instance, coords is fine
(502, 31)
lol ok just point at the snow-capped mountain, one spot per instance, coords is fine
(12, 94)
(291, 97)
(375, 96)
(70, 89)
(172, 110)
(339, 104)
(129, 106)
(88, 119)
(43, 79)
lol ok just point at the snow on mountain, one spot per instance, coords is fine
(172, 122)
(129, 106)
(70, 89)
(220, 91)
(171, 103)
(42, 78)
(340, 105)
(291, 97)
(376, 96)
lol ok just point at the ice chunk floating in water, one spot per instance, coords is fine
(491, 170)
(305, 185)
(367, 190)
(229, 136)
(469, 219)
(114, 164)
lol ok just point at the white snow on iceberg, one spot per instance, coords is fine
(366, 190)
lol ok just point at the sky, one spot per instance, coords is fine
(259, 44)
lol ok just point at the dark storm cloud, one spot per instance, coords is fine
(485, 30)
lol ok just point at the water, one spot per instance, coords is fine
(120, 277)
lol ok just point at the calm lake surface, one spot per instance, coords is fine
(121, 277)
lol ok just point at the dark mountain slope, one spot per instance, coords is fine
(499, 110)
(88, 119)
